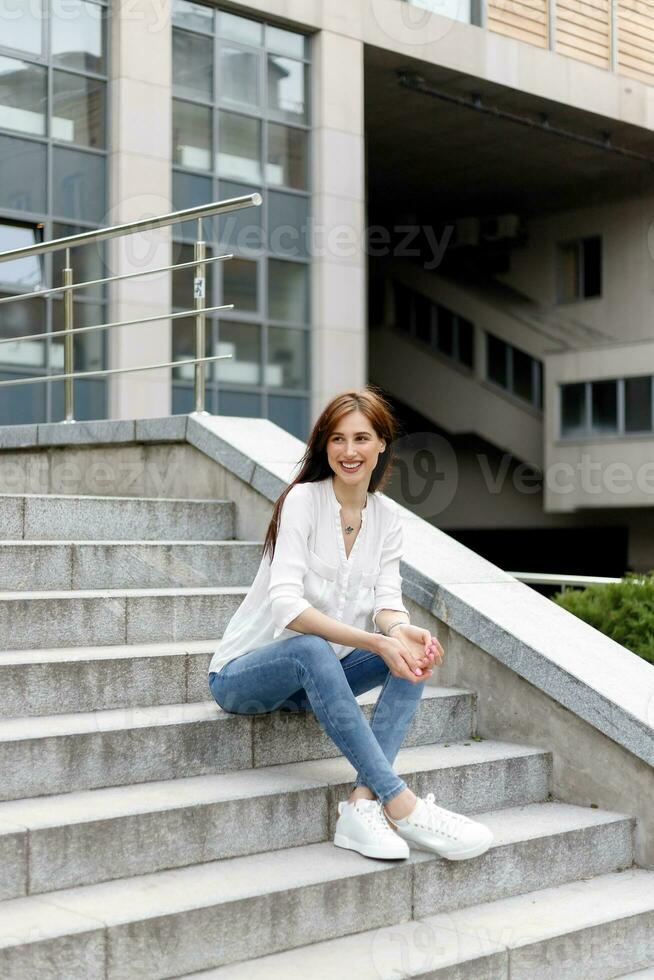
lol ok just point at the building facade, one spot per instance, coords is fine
(457, 205)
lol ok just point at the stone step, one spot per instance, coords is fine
(61, 753)
(31, 620)
(96, 835)
(69, 680)
(580, 930)
(189, 919)
(29, 566)
(48, 517)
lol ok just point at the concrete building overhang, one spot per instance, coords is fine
(434, 153)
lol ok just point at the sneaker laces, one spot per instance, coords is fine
(440, 820)
(372, 813)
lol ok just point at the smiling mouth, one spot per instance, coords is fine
(353, 468)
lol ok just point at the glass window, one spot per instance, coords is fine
(191, 135)
(496, 357)
(423, 318)
(287, 88)
(568, 272)
(90, 398)
(78, 185)
(239, 153)
(287, 358)
(592, 262)
(239, 75)
(88, 348)
(243, 342)
(285, 42)
(77, 109)
(286, 160)
(573, 409)
(290, 413)
(87, 262)
(465, 329)
(240, 28)
(192, 65)
(22, 26)
(288, 291)
(195, 16)
(445, 321)
(184, 347)
(19, 319)
(240, 283)
(21, 404)
(638, 404)
(22, 96)
(241, 403)
(190, 190)
(604, 402)
(288, 224)
(22, 165)
(403, 307)
(183, 279)
(77, 32)
(523, 381)
(20, 274)
(240, 229)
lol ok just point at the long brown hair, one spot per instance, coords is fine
(314, 464)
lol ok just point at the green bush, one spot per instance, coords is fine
(623, 610)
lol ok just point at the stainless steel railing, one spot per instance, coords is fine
(68, 286)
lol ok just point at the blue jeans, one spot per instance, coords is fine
(303, 673)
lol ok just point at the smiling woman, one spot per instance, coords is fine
(324, 621)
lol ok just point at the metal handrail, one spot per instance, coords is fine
(565, 581)
(68, 333)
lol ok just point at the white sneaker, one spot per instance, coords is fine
(362, 827)
(450, 834)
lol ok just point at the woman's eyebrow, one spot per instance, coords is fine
(365, 433)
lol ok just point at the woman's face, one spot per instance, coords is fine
(354, 441)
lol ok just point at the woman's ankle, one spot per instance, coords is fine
(402, 805)
(361, 793)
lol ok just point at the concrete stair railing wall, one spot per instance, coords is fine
(144, 833)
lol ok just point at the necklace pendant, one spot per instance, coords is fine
(349, 529)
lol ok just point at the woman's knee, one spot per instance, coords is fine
(316, 653)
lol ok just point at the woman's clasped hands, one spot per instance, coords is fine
(411, 652)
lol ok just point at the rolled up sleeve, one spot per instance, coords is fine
(388, 588)
(291, 559)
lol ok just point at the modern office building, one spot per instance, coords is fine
(458, 205)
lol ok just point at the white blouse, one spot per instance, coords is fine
(310, 568)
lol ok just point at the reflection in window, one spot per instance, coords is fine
(195, 16)
(77, 30)
(239, 154)
(77, 109)
(191, 135)
(78, 185)
(193, 65)
(22, 96)
(239, 75)
(287, 358)
(20, 274)
(22, 26)
(240, 28)
(286, 161)
(243, 342)
(287, 88)
(18, 319)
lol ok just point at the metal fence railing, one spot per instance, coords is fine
(69, 286)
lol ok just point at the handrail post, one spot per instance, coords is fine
(69, 355)
(199, 303)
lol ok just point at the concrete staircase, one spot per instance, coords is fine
(144, 833)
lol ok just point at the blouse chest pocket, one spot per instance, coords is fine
(318, 579)
(365, 600)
